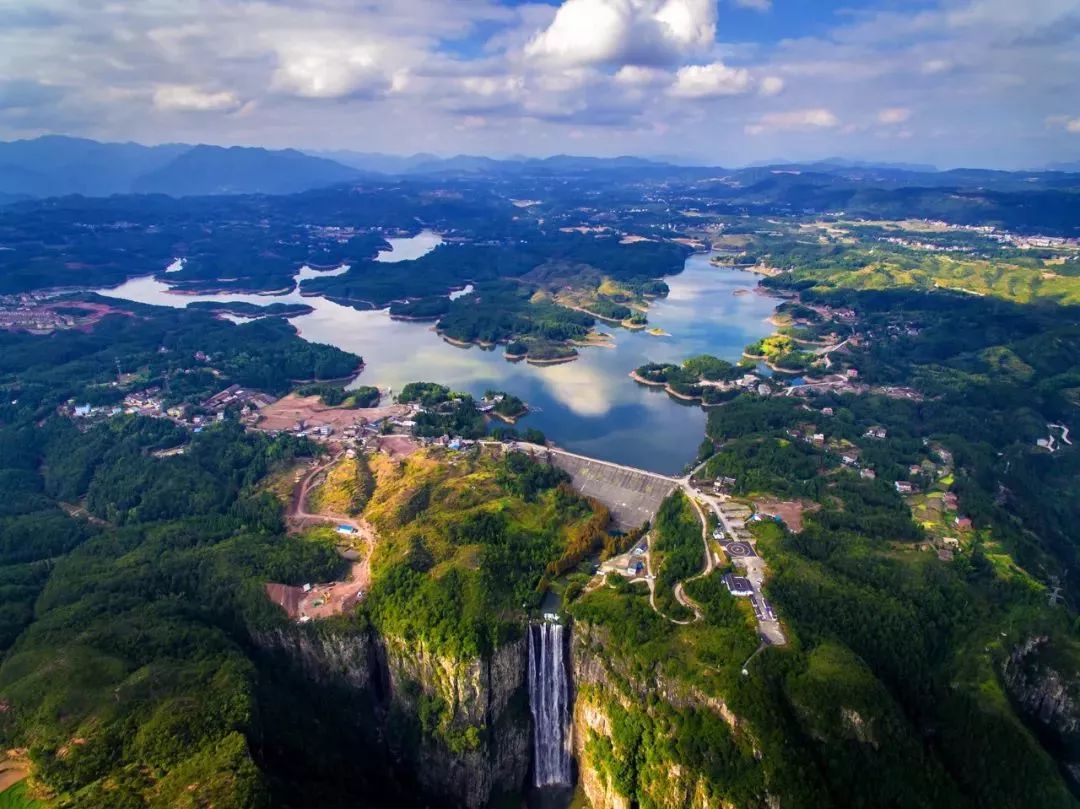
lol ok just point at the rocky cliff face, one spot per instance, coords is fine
(619, 714)
(1048, 695)
(468, 718)
(324, 657)
(460, 727)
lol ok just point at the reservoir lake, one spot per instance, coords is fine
(589, 406)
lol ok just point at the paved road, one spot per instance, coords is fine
(536, 449)
(755, 568)
(768, 627)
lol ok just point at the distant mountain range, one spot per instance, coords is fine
(57, 165)
(424, 163)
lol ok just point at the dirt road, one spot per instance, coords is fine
(328, 598)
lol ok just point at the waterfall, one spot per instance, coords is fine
(549, 701)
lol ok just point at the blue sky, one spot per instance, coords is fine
(949, 82)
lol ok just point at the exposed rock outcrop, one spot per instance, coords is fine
(614, 707)
(473, 729)
(459, 727)
(1048, 697)
(324, 656)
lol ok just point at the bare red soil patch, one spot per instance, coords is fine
(286, 413)
(790, 511)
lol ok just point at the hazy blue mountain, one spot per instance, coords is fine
(56, 165)
(846, 163)
(478, 164)
(377, 161)
(242, 170)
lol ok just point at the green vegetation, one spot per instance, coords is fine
(338, 396)
(451, 413)
(530, 435)
(688, 379)
(347, 489)
(252, 310)
(888, 267)
(163, 345)
(676, 551)
(512, 284)
(17, 797)
(504, 310)
(885, 640)
(506, 404)
(127, 627)
(143, 664)
(464, 548)
(133, 647)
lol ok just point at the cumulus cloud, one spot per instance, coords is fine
(710, 81)
(637, 76)
(893, 115)
(619, 72)
(771, 86)
(799, 120)
(188, 98)
(323, 70)
(625, 32)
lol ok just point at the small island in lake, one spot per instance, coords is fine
(252, 310)
(704, 379)
(503, 406)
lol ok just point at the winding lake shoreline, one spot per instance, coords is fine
(587, 405)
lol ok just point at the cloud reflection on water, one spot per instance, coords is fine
(589, 405)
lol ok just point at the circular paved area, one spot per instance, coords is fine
(738, 549)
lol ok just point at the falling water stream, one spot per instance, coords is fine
(549, 701)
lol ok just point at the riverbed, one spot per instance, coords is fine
(588, 406)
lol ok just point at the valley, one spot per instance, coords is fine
(282, 532)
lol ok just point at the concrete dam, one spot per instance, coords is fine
(632, 495)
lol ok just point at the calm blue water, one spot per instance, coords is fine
(588, 406)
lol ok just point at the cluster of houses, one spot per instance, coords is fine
(247, 402)
(150, 402)
(88, 412)
(33, 319)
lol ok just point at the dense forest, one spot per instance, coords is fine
(143, 664)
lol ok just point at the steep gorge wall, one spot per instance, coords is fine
(626, 735)
(465, 722)
(459, 727)
(1048, 696)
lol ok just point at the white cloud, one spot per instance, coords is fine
(188, 98)
(627, 32)
(710, 81)
(324, 70)
(932, 67)
(982, 77)
(637, 76)
(771, 86)
(808, 119)
(893, 115)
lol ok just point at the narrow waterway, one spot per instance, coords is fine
(588, 406)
